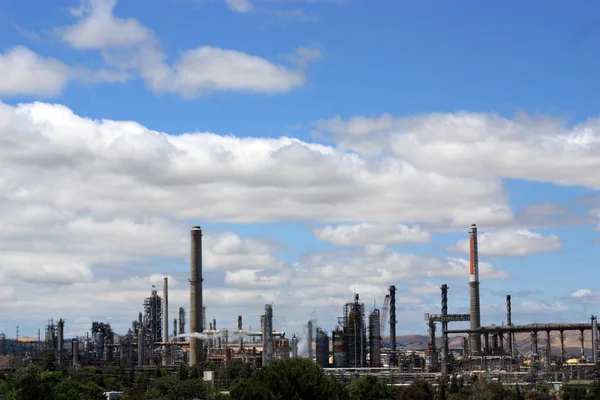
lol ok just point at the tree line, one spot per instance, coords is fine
(291, 379)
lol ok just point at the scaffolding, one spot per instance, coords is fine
(153, 315)
(355, 338)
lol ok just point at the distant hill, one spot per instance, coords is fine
(572, 344)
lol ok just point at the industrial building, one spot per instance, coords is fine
(353, 347)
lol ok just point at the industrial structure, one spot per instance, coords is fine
(355, 346)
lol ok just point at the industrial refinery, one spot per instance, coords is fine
(356, 344)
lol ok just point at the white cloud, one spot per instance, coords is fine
(129, 46)
(302, 56)
(378, 265)
(211, 69)
(103, 199)
(365, 233)
(99, 29)
(513, 243)
(368, 136)
(27, 73)
(90, 167)
(24, 73)
(230, 251)
(532, 307)
(581, 293)
(240, 6)
(427, 288)
(252, 279)
(540, 148)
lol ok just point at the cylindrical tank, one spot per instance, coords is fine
(99, 345)
(375, 339)
(322, 343)
(337, 337)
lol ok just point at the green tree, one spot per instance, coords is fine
(594, 391)
(454, 386)
(518, 394)
(251, 389)
(70, 389)
(291, 379)
(183, 372)
(543, 387)
(232, 370)
(368, 387)
(50, 361)
(170, 387)
(27, 383)
(418, 390)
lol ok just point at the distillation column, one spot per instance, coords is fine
(196, 345)
(509, 323)
(475, 316)
(444, 288)
(393, 355)
(60, 340)
(268, 346)
(594, 339)
(165, 321)
(140, 337)
(181, 323)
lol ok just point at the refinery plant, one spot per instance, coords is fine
(356, 345)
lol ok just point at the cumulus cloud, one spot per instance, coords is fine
(581, 293)
(24, 72)
(98, 29)
(230, 251)
(380, 265)
(365, 233)
(538, 148)
(103, 199)
(131, 47)
(87, 166)
(513, 243)
(27, 73)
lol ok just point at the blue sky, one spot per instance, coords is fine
(323, 145)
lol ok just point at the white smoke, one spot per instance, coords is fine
(302, 345)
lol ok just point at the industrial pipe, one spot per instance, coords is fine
(526, 328)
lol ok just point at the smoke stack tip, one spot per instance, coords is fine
(196, 228)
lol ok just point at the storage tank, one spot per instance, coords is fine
(322, 348)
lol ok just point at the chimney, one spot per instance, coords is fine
(60, 340)
(475, 316)
(140, 337)
(511, 335)
(393, 355)
(196, 346)
(165, 319)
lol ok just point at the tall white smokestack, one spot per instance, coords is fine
(475, 316)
